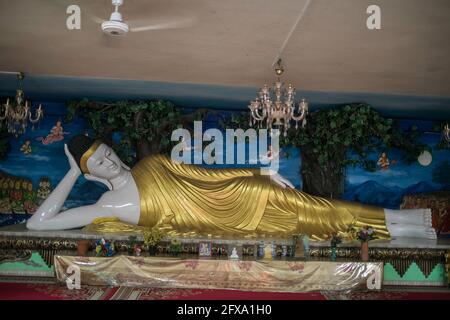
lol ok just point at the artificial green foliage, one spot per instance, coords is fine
(328, 138)
(144, 126)
(236, 120)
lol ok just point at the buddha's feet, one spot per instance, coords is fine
(418, 217)
(428, 218)
(411, 231)
(431, 233)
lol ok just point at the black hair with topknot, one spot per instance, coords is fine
(78, 145)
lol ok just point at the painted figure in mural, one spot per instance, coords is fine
(189, 199)
(16, 197)
(26, 148)
(5, 205)
(56, 134)
(30, 198)
(44, 189)
(383, 161)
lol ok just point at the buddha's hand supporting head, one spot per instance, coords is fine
(95, 159)
(72, 162)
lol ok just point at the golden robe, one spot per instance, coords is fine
(189, 199)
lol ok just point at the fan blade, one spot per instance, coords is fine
(96, 19)
(179, 24)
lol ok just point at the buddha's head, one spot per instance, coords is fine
(95, 158)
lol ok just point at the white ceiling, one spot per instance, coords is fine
(234, 42)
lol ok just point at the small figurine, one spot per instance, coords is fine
(305, 240)
(137, 250)
(175, 247)
(204, 249)
(268, 251)
(132, 241)
(335, 240)
(261, 250)
(234, 254)
(284, 251)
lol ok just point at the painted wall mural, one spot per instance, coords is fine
(393, 178)
(36, 163)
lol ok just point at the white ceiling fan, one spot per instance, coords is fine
(116, 26)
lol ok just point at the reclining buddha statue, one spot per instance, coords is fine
(189, 199)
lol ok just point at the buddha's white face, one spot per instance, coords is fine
(104, 163)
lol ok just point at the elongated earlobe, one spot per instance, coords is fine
(124, 165)
(104, 181)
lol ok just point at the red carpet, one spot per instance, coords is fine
(51, 291)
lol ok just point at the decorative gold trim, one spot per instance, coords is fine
(87, 154)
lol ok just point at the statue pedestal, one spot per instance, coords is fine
(406, 261)
(268, 276)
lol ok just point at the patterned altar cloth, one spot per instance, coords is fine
(260, 275)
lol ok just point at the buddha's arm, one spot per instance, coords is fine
(54, 202)
(69, 219)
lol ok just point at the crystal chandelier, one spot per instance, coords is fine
(17, 116)
(446, 133)
(277, 107)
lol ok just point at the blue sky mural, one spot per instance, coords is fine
(386, 187)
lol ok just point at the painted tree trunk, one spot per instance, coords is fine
(324, 181)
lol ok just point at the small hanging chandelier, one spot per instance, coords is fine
(446, 133)
(276, 106)
(17, 116)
